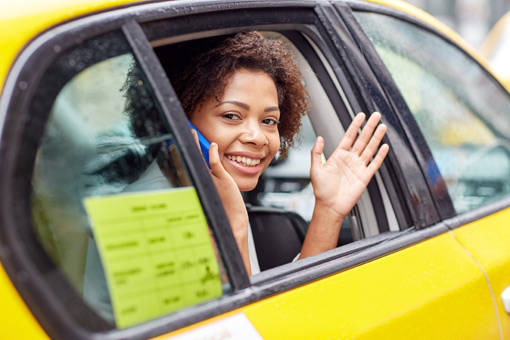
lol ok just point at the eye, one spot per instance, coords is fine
(231, 116)
(270, 121)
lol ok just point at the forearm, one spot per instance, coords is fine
(240, 231)
(322, 232)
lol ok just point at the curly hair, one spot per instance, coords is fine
(200, 70)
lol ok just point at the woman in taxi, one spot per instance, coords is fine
(244, 94)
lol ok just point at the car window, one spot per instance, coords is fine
(285, 185)
(461, 111)
(496, 47)
(112, 202)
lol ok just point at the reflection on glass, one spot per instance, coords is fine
(106, 141)
(461, 112)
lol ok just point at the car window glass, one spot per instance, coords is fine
(461, 111)
(113, 204)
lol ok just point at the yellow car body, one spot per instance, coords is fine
(447, 285)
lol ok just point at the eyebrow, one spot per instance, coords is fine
(246, 106)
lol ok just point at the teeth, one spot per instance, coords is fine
(244, 160)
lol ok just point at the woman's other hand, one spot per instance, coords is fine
(339, 182)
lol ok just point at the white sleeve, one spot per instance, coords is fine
(252, 253)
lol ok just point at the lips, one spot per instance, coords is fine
(244, 164)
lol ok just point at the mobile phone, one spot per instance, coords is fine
(204, 143)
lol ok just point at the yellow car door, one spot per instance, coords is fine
(486, 240)
(465, 134)
(428, 290)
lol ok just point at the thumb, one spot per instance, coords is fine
(317, 150)
(214, 161)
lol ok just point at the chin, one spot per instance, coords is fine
(247, 185)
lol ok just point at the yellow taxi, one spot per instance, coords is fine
(423, 255)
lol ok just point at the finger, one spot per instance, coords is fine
(374, 143)
(217, 168)
(378, 159)
(352, 132)
(317, 150)
(366, 134)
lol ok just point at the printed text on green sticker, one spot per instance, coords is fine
(156, 251)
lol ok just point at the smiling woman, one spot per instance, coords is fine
(244, 125)
(245, 95)
(201, 69)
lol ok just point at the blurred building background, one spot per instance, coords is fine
(472, 19)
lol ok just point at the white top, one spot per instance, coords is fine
(252, 253)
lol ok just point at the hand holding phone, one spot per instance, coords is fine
(204, 144)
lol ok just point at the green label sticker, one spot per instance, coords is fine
(156, 250)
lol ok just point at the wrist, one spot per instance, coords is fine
(324, 211)
(323, 230)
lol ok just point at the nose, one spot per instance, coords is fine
(254, 134)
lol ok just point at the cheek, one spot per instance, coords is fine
(213, 134)
(274, 145)
(222, 139)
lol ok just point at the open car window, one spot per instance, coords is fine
(286, 183)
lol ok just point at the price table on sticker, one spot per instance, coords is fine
(156, 250)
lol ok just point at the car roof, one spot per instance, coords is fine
(23, 20)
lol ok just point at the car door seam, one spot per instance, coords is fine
(491, 290)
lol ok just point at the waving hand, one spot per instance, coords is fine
(339, 182)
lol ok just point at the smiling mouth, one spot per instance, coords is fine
(245, 161)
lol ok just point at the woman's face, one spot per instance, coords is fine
(244, 124)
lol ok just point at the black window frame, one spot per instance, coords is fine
(296, 20)
(21, 86)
